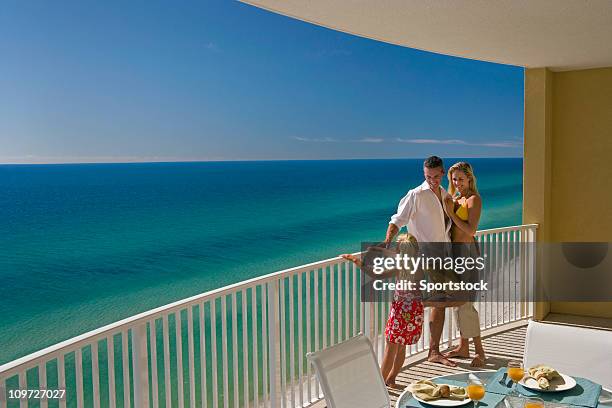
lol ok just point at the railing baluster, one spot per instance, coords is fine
(308, 335)
(508, 315)
(95, 375)
(516, 314)
(317, 307)
(273, 343)
(374, 323)
(324, 316)
(154, 379)
(532, 263)
(140, 365)
(78, 366)
(23, 385)
(291, 321)
(3, 389)
(283, 343)
(355, 302)
(332, 301)
(264, 342)
(489, 293)
(179, 358)
(224, 356)
(255, 335)
(42, 383)
(235, 348)
(110, 350)
(61, 378)
(191, 354)
(524, 276)
(213, 346)
(347, 304)
(245, 351)
(126, 368)
(167, 371)
(299, 321)
(203, 368)
(338, 298)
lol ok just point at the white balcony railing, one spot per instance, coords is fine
(244, 345)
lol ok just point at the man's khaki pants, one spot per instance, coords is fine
(467, 319)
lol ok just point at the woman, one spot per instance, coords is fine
(463, 205)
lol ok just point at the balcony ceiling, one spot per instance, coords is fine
(559, 34)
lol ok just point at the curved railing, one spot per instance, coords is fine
(244, 344)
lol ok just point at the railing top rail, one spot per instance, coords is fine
(30, 360)
(504, 229)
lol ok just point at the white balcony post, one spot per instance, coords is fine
(274, 360)
(141, 366)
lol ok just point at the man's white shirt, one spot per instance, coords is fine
(422, 212)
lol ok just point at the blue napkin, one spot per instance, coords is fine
(490, 400)
(585, 393)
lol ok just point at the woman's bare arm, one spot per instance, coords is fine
(474, 205)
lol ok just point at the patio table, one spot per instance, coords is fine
(405, 399)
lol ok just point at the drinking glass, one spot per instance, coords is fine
(516, 373)
(475, 390)
(534, 403)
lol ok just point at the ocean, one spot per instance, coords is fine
(86, 245)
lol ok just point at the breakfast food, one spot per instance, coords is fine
(429, 391)
(543, 375)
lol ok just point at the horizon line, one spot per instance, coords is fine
(240, 160)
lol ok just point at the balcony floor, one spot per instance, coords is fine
(505, 343)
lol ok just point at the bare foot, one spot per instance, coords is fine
(479, 360)
(457, 352)
(437, 357)
(394, 385)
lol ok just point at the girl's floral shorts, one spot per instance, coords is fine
(405, 323)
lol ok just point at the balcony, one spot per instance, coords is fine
(244, 345)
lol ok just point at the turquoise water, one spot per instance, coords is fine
(86, 245)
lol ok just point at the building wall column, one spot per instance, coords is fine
(537, 164)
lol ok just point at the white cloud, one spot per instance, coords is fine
(502, 144)
(371, 140)
(318, 140)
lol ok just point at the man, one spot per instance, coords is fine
(422, 211)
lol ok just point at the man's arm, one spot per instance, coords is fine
(391, 233)
(405, 210)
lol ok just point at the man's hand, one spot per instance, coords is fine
(391, 233)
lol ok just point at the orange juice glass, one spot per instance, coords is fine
(475, 390)
(534, 403)
(516, 373)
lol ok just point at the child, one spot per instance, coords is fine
(405, 323)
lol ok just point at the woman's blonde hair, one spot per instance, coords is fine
(469, 172)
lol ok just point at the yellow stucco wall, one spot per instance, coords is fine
(568, 164)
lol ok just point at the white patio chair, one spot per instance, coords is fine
(349, 375)
(573, 350)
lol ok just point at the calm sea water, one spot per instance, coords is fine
(86, 245)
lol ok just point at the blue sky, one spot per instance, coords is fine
(220, 80)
